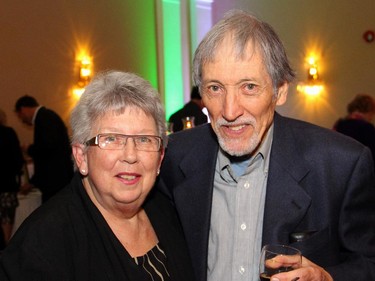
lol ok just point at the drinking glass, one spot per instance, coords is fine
(278, 258)
(188, 122)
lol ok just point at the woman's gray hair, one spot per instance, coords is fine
(115, 91)
(244, 28)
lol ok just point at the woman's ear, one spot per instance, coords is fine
(162, 153)
(79, 155)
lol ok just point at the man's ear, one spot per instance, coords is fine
(282, 93)
(79, 155)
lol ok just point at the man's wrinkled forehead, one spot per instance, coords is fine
(229, 50)
(238, 49)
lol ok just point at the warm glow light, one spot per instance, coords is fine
(77, 92)
(313, 68)
(85, 65)
(82, 72)
(311, 90)
(85, 72)
(313, 87)
(313, 71)
(85, 60)
(84, 68)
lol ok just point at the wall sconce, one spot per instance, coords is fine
(313, 69)
(84, 71)
(84, 74)
(313, 86)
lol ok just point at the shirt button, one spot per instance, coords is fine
(242, 269)
(243, 226)
(246, 185)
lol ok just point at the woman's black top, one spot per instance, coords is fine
(67, 238)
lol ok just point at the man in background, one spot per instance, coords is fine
(192, 109)
(51, 151)
(358, 122)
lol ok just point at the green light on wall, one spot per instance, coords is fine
(173, 78)
(140, 43)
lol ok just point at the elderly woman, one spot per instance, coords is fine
(107, 224)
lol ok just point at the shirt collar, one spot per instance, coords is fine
(35, 113)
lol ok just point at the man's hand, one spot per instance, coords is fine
(309, 271)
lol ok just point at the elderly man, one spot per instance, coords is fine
(253, 177)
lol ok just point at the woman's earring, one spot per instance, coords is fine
(158, 172)
(83, 171)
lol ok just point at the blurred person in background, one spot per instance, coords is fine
(108, 223)
(10, 171)
(358, 122)
(192, 109)
(51, 152)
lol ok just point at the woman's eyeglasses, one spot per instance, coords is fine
(118, 141)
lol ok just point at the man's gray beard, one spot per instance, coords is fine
(247, 150)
